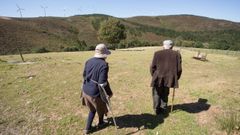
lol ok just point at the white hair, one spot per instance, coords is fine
(167, 44)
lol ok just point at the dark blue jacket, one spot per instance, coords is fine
(97, 70)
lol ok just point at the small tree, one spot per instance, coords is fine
(82, 46)
(198, 44)
(112, 31)
(178, 41)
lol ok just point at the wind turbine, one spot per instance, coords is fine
(44, 8)
(19, 10)
(64, 10)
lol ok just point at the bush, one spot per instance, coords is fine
(187, 43)
(235, 47)
(221, 44)
(121, 45)
(73, 30)
(82, 46)
(198, 44)
(178, 42)
(71, 49)
(134, 43)
(90, 48)
(41, 50)
(112, 46)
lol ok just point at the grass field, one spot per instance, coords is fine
(42, 97)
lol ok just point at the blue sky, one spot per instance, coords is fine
(219, 9)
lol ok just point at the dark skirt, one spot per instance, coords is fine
(95, 104)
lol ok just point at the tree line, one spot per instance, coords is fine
(113, 32)
(221, 39)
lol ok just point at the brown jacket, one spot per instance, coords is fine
(166, 68)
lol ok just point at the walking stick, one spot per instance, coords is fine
(173, 99)
(107, 101)
(108, 105)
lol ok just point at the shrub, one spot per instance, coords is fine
(121, 45)
(71, 49)
(112, 46)
(90, 48)
(41, 50)
(82, 46)
(134, 43)
(221, 44)
(178, 43)
(198, 44)
(187, 44)
(73, 30)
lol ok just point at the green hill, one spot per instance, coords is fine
(186, 23)
(59, 34)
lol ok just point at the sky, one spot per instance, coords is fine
(218, 9)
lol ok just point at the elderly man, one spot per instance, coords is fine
(166, 69)
(96, 73)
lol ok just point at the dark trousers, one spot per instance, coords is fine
(160, 99)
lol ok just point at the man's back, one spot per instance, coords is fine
(166, 68)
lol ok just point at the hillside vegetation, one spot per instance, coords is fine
(42, 96)
(80, 32)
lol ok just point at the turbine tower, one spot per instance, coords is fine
(64, 10)
(44, 9)
(19, 10)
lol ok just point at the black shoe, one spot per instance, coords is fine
(161, 111)
(164, 110)
(90, 130)
(102, 124)
(157, 112)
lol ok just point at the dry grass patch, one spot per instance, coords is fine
(43, 98)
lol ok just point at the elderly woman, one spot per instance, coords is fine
(95, 74)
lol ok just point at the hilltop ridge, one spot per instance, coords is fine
(57, 33)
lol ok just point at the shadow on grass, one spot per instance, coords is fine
(145, 120)
(139, 121)
(195, 107)
(150, 121)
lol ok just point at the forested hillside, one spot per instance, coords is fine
(81, 32)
